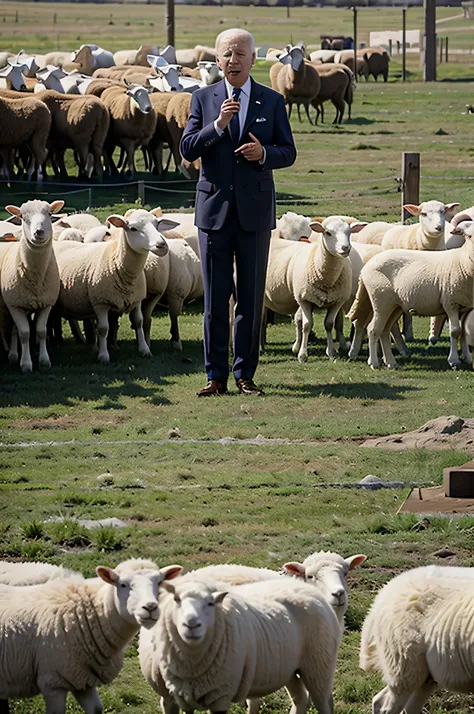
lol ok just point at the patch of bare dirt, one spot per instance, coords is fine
(446, 432)
(434, 500)
(67, 422)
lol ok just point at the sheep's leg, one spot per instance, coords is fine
(102, 314)
(465, 347)
(13, 350)
(55, 701)
(454, 335)
(399, 341)
(320, 689)
(298, 694)
(307, 315)
(339, 325)
(89, 700)
(298, 108)
(253, 706)
(420, 697)
(298, 320)
(306, 107)
(329, 321)
(148, 305)
(359, 333)
(23, 326)
(168, 705)
(385, 341)
(175, 307)
(387, 702)
(129, 146)
(408, 327)
(41, 331)
(436, 327)
(136, 319)
(290, 107)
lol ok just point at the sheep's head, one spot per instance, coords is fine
(328, 571)
(13, 72)
(36, 218)
(336, 234)
(140, 96)
(294, 56)
(136, 586)
(143, 231)
(194, 609)
(432, 215)
(464, 226)
(28, 61)
(293, 226)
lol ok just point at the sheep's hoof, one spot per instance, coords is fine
(13, 357)
(432, 340)
(455, 365)
(177, 345)
(105, 359)
(295, 349)
(303, 357)
(392, 365)
(405, 353)
(27, 368)
(45, 363)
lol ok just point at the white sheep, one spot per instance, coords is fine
(419, 282)
(323, 56)
(374, 232)
(419, 635)
(292, 226)
(71, 234)
(32, 573)
(29, 278)
(428, 234)
(137, 57)
(99, 277)
(302, 275)
(211, 648)
(82, 221)
(70, 634)
(467, 336)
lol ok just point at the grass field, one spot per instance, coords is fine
(237, 479)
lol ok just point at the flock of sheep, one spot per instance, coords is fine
(230, 633)
(56, 266)
(92, 102)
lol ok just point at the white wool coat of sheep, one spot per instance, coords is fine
(292, 226)
(210, 648)
(373, 233)
(32, 573)
(419, 634)
(29, 279)
(428, 233)
(419, 282)
(98, 277)
(70, 634)
(302, 275)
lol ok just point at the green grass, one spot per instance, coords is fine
(84, 440)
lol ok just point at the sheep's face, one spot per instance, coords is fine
(142, 231)
(14, 74)
(294, 56)
(464, 227)
(170, 77)
(432, 215)
(194, 611)
(140, 96)
(336, 235)
(36, 218)
(28, 63)
(328, 571)
(136, 591)
(293, 226)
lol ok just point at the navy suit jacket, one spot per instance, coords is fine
(226, 176)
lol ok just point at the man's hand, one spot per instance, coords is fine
(252, 151)
(228, 108)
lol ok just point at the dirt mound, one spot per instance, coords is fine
(446, 432)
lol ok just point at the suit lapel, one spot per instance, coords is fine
(220, 94)
(256, 105)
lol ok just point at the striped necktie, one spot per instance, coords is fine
(235, 122)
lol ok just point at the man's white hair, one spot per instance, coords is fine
(235, 32)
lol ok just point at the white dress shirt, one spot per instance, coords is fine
(244, 106)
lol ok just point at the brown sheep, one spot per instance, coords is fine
(132, 122)
(135, 57)
(347, 57)
(177, 116)
(97, 86)
(80, 123)
(377, 61)
(153, 152)
(298, 86)
(24, 120)
(334, 81)
(274, 72)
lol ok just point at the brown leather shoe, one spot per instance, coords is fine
(248, 386)
(213, 389)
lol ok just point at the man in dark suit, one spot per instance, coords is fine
(240, 131)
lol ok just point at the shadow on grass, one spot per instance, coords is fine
(349, 390)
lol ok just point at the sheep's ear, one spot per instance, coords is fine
(356, 227)
(317, 227)
(107, 574)
(297, 569)
(14, 220)
(450, 210)
(156, 211)
(166, 225)
(355, 560)
(171, 571)
(117, 221)
(56, 206)
(129, 212)
(412, 208)
(219, 595)
(14, 210)
(460, 230)
(58, 221)
(168, 587)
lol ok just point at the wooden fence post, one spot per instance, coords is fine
(404, 44)
(446, 48)
(354, 31)
(410, 181)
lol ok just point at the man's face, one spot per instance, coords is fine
(235, 58)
